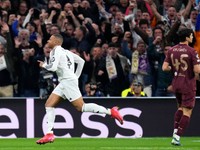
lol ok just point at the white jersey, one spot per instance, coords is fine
(63, 62)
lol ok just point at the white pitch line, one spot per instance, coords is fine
(139, 148)
(196, 141)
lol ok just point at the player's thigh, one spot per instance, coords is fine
(188, 100)
(71, 90)
(187, 111)
(53, 100)
(178, 99)
(78, 103)
(59, 91)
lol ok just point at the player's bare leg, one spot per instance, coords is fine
(51, 102)
(92, 107)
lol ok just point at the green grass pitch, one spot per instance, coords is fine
(158, 143)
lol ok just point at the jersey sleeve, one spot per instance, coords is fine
(195, 57)
(80, 64)
(53, 62)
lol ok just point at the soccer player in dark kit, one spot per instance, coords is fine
(184, 62)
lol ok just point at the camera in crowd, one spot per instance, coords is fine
(47, 82)
(93, 86)
(95, 89)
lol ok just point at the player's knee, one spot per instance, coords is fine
(187, 111)
(78, 108)
(78, 104)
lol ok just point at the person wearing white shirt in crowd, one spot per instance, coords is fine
(62, 62)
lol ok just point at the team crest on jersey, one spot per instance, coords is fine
(197, 56)
(52, 59)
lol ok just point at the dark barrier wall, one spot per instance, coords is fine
(143, 118)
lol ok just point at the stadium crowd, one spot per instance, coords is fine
(122, 41)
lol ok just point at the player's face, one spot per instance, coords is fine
(190, 38)
(51, 42)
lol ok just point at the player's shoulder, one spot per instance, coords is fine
(176, 46)
(60, 49)
(173, 47)
(183, 47)
(191, 50)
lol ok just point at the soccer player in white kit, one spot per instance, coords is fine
(62, 62)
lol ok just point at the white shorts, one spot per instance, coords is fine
(68, 89)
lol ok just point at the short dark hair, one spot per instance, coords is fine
(111, 44)
(55, 25)
(141, 42)
(159, 28)
(59, 36)
(143, 21)
(184, 33)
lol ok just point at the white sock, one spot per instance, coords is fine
(92, 107)
(50, 111)
(175, 131)
(176, 137)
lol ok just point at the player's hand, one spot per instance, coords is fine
(170, 88)
(40, 63)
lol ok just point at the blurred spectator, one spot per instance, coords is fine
(103, 13)
(53, 9)
(23, 8)
(123, 4)
(191, 22)
(8, 77)
(68, 35)
(114, 68)
(31, 26)
(171, 13)
(17, 25)
(135, 90)
(100, 39)
(140, 67)
(104, 48)
(28, 68)
(28, 74)
(5, 7)
(140, 32)
(119, 25)
(96, 57)
(89, 9)
(163, 79)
